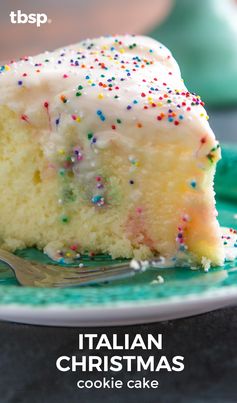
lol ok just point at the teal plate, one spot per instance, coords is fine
(134, 300)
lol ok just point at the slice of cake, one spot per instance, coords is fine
(103, 149)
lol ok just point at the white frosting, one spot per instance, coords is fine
(140, 72)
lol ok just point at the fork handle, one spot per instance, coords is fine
(9, 258)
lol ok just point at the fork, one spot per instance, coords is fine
(32, 274)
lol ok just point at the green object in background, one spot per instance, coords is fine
(226, 174)
(202, 35)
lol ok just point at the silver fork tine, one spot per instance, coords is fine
(109, 273)
(88, 270)
(22, 264)
(98, 278)
(34, 274)
(91, 269)
(90, 278)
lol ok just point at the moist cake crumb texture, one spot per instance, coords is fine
(104, 150)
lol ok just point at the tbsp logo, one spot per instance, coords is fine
(22, 18)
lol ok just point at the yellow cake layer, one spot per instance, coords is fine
(135, 222)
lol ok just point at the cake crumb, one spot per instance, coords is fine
(206, 263)
(139, 265)
(158, 280)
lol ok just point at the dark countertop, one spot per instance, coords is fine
(208, 343)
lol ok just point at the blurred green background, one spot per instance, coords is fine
(203, 37)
